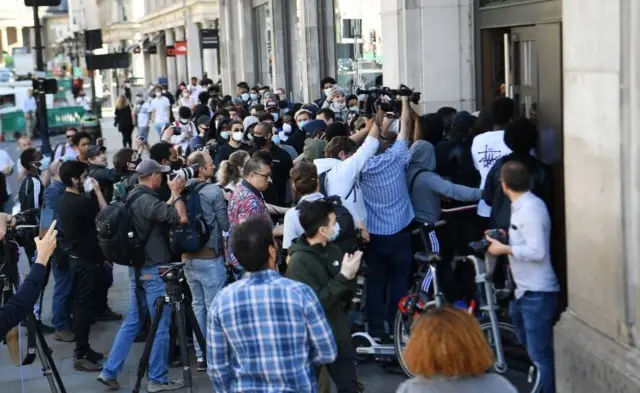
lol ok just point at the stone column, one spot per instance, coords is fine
(281, 59)
(416, 55)
(19, 39)
(181, 60)
(210, 57)
(162, 58)
(226, 31)
(310, 50)
(148, 77)
(294, 90)
(194, 55)
(245, 66)
(171, 62)
(5, 39)
(154, 68)
(596, 340)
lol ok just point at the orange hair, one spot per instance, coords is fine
(447, 342)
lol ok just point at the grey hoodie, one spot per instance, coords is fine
(429, 187)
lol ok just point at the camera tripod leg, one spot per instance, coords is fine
(49, 369)
(191, 317)
(148, 344)
(182, 340)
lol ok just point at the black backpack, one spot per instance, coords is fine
(348, 237)
(117, 235)
(192, 236)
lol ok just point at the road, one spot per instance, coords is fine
(29, 378)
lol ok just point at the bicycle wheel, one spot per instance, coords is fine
(401, 331)
(526, 374)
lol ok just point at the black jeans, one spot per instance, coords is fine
(343, 374)
(83, 277)
(104, 281)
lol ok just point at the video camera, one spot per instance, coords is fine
(24, 227)
(172, 273)
(385, 98)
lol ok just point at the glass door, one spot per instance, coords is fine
(521, 61)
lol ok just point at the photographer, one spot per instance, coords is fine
(21, 303)
(152, 218)
(106, 177)
(205, 270)
(313, 261)
(164, 154)
(77, 215)
(125, 162)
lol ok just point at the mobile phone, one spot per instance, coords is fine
(46, 219)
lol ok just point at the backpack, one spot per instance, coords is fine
(192, 236)
(347, 239)
(117, 235)
(323, 186)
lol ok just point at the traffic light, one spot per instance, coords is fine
(42, 3)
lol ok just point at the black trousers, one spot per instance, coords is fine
(83, 277)
(343, 373)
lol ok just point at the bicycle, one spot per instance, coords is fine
(501, 335)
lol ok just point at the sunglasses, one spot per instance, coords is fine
(68, 136)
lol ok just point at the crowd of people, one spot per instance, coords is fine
(296, 198)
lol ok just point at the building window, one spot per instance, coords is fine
(359, 53)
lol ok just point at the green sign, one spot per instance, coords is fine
(77, 72)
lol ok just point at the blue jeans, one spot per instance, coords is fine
(158, 127)
(206, 277)
(389, 259)
(158, 361)
(61, 302)
(533, 316)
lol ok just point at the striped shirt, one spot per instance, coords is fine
(385, 191)
(267, 333)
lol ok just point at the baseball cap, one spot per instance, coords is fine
(272, 104)
(95, 151)
(203, 120)
(149, 167)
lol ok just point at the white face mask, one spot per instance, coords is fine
(184, 121)
(354, 108)
(338, 105)
(275, 116)
(327, 91)
(254, 96)
(286, 128)
(237, 136)
(244, 96)
(158, 93)
(224, 135)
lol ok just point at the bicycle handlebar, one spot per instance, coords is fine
(459, 209)
(429, 227)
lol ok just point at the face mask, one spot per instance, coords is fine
(224, 135)
(237, 136)
(336, 233)
(175, 165)
(249, 137)
(158, 94)
(254, 96)
(185, 94)
(302, 123)
(276, 116)
(275, 139)
(339, 105)
(164, 91)
(327, 91)
(184, 121)
(354, 108)
(286, 128)
(88, 185)
(259, 141)
(44, 163)
(244, 97)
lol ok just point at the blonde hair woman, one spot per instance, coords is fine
(230, 171)
(124, 120)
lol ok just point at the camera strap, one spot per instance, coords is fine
(29, 358)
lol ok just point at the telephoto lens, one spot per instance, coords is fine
(185, 173)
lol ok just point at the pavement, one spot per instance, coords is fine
(30, 379)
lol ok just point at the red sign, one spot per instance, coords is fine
(171, 51)
(181, 48)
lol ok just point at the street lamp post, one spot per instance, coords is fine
(43, 123)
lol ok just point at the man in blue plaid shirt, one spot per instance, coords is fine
(265, 333)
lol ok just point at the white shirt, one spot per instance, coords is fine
(30, 105)
(530, 241)
(186, 101)
(486, 149)
(160, 106)
(69, 153)
(292, 228)
(143, 114)
(195, 92)
(343, 178)
(186, 133)
(5, 160)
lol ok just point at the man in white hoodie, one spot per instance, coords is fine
(342, 167)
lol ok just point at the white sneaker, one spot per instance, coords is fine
(153, 387)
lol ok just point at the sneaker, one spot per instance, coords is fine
(46, 329)
(85, 363)
(112, 384)
(64, 336)
(153, 386)
(108, 315)
(201, 365)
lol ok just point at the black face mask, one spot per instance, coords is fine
(175, 165)
(259, 141)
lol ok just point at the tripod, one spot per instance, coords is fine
(37, 345)
(173, 276)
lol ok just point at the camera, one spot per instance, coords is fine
(185, 173)
(483, 244)
(385, 98)
(177, 130)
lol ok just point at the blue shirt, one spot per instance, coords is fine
(385, 191)
(266, 333)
